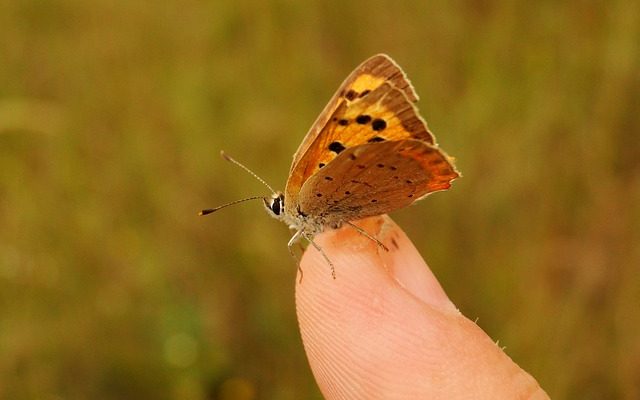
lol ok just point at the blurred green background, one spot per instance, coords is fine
(112, 114)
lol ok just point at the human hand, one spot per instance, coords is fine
(385, 329)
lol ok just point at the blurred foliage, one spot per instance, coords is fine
(112, 114)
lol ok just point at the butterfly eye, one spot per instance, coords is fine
(275, 206)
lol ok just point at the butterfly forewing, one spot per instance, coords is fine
(364, 80)
(374, 179)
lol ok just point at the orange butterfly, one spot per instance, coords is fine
(368, 153)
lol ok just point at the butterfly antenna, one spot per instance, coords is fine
(212, 210)
(228, 158)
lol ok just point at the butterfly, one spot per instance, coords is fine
(368, 153)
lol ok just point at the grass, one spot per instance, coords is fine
(111, 118)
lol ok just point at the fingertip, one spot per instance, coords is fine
(350, 324)
(400, 265)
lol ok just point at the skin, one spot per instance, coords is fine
(385, 329)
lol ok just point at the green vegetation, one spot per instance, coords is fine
(112, 114)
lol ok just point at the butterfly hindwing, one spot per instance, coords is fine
(376, 178)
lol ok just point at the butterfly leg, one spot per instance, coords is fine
(294, 239)
(366, 234)
(310, 239)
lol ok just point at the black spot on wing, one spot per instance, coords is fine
(378, 125)
(351, 94)
(336, 147)
(363, 119)
(376, 139)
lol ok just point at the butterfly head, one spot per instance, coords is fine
(275, 205)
